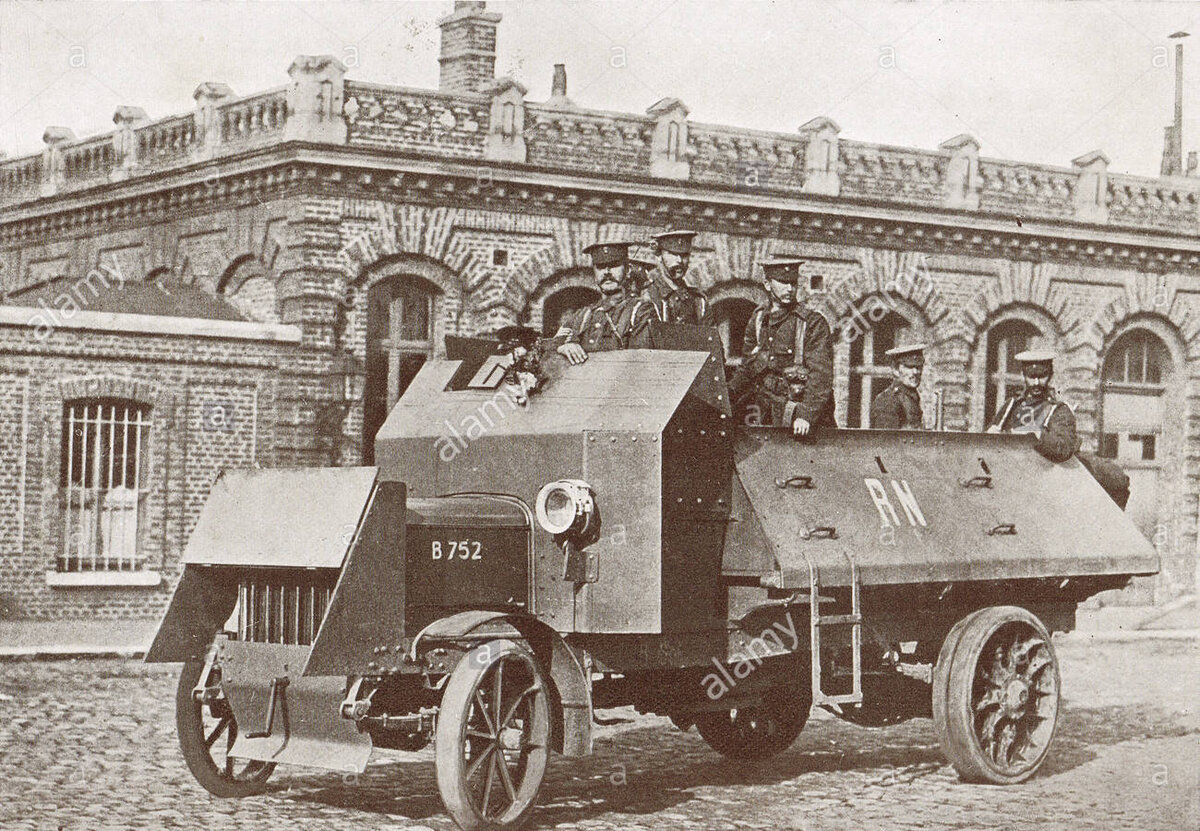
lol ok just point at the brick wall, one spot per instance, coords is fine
(183, 380)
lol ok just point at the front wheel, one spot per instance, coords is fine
(996, 695)
(759, 730)
(493, 737)
(207, 730)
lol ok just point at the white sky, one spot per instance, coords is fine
(1037, 81)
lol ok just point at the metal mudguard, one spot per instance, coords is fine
(921, 507)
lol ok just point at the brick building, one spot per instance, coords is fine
(255, 282)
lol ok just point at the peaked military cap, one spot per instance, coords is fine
(783, 269)
(644, 260)
(911, 355)
(1035, 356)
(604, 254)
(511, 337)
(677, 242)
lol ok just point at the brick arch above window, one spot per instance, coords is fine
(137, 390)
(247, 283)
(1154, 298)
(572, 277)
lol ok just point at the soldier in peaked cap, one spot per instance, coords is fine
(788, 366)
(675, 300)
(524, 375)
(899, 406)
(618, 320)
(641, 266)
(1037, 410)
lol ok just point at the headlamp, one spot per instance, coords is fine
(568, 507)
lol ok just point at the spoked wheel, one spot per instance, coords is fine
(493, 737)
(207, 732)
(759, 730)
(996, 694)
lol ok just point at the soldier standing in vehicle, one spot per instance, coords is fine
(899, 406)
(789, 356)
(618, 320)
(674, 299)
(1036, 409)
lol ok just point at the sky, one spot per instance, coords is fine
(1039, 82)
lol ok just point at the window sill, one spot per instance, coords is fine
(102, 579)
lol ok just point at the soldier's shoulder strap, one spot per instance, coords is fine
(1004, 411)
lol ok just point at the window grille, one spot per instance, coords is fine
(103, 480)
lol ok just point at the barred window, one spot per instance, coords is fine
(104, 448)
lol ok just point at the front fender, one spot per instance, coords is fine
(572, 686)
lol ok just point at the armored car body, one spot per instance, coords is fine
(508, 568)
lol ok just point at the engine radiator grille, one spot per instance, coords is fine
(283, 606)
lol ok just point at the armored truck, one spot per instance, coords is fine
(510, 566)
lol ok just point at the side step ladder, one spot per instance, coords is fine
(816, 621)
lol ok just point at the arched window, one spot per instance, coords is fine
(1005, 341)
(105, 444)
(564, 301)
(870, 369)
(1136, 370)
(400, 316)
(731, 316)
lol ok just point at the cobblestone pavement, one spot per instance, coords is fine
(90, 745)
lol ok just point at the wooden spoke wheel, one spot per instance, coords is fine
(207, 730)
(493, 737)
(996, 695)
(759, 730)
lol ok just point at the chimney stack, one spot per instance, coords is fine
(558, 89)
(468, 58)
(1172, 161)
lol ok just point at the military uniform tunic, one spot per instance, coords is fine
(1049, 417)
(778, 338)
(597, 328)
(897, 408)
(679, 304)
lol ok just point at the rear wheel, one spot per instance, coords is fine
(207, 730)
(996, 695)
(759, 730)
(493, 737)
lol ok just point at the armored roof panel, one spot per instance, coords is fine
(635, 389)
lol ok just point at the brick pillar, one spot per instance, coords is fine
(315, 100)
(962, 172)
(53, 169)
(1091, 188)
(668, 146)
(506, 126)
(125, 146)
(208, 97)
(821, 160)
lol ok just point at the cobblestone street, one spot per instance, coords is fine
(91, 745)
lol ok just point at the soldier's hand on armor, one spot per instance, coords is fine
(573, 352)
(800, 427)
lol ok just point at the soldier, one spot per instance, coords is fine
(789, 356)
(641, 266)
(899, 406)
(1037, 410)
(675, 300)
(618, 320)
(524, 375)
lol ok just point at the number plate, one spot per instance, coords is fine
(452, 550)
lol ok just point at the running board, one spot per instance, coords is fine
(816, 621)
